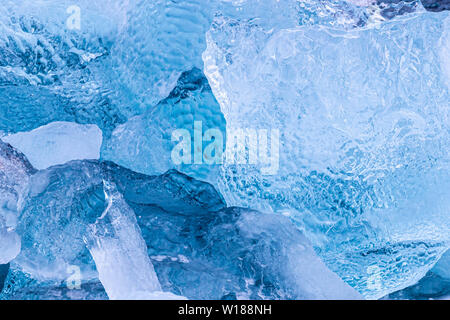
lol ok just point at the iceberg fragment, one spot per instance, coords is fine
(58, 143)
(92, 229)
(145, 143)
(363, 116)
(235, 253)
(15, 171)
(190, 238)
(120, 253)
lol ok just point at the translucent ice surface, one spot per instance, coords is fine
(58, 143)
(93, 230)
(15, 171)
(363, 118)
(9, 245)
(442, 267)
(115, 183)
(200, 248)
(145, 143)
(120, 253)
(50, 66)
(235, 253)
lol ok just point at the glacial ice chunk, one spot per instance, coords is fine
(145, 143)
(58, 207)
(363, 117)
(123, 57)
(442, 267)
(235, 253)
(9, 245)
(51, 70)
(120, 253)
(58, 143)
(15, 171)
(91, 228)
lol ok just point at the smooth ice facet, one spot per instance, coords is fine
(58, 143)
(119, 251)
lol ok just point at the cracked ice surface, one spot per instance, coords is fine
(363, 116)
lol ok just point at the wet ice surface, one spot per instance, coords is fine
(358, 89)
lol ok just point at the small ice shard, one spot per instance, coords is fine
(58, 143)
(120, 252)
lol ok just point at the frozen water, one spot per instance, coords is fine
(15, 171)
(124, 57)
(364, 143)
(20, 286)
(358, 89)
(235, 253)
(442, 267)
(161, 39)
(61, 201)
(145, 143)
(4, 268)
(190, 237)
(52, 71)
(88, 211)
(120, 254)
(58, 143)
(9, 245)
(434, 285)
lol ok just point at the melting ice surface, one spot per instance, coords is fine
(359, 92)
